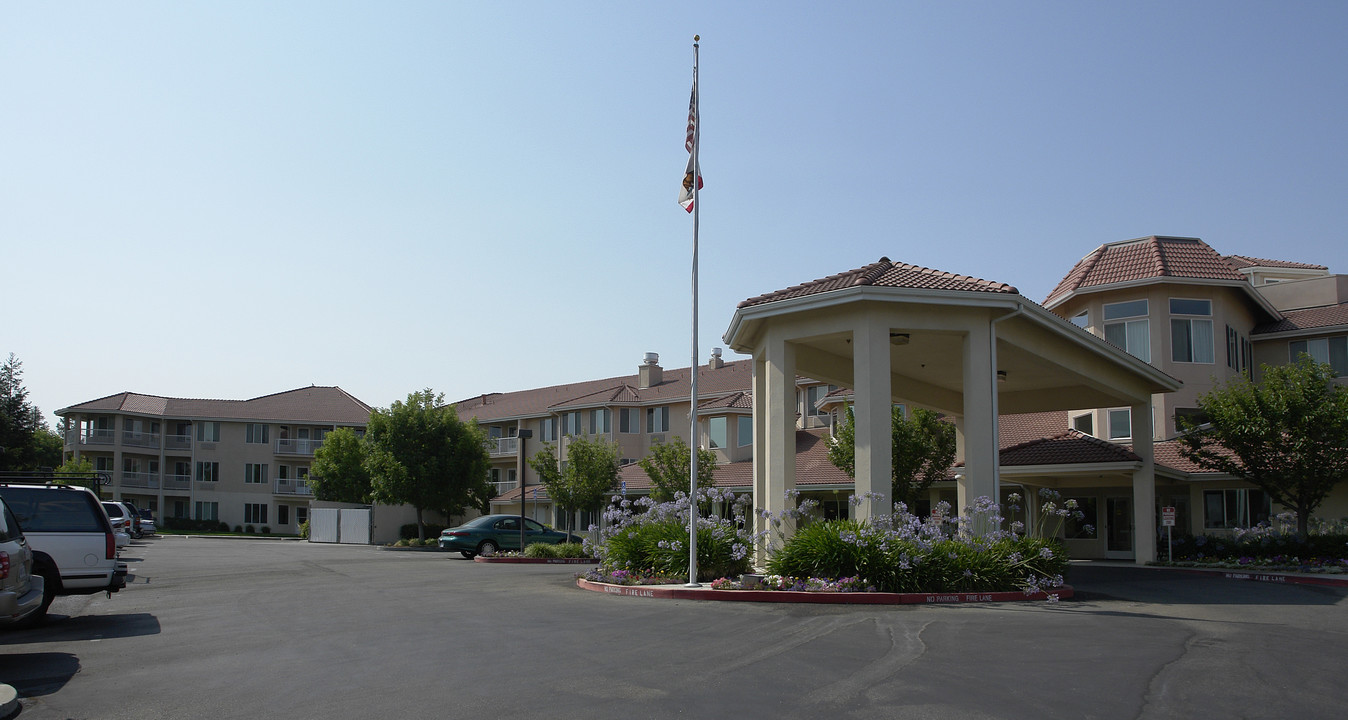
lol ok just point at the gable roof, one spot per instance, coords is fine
(884, 273)
(1145, 259)
(313, 404)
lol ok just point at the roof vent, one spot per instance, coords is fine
(716, 362)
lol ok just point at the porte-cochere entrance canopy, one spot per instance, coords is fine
(966, 347)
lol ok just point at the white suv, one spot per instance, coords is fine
(20, 590)
(72, 542)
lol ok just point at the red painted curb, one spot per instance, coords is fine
(789, 596)
(1269, 577)
(535, 561)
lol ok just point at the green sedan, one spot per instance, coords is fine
(490, 533)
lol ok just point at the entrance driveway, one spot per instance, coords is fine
(213, 628)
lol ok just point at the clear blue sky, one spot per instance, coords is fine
(231, 199)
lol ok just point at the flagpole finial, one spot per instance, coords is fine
(697, 38)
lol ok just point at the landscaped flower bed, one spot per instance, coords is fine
(1268, 546)
(901, 553)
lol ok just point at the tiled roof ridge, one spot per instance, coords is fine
(1251, 261)
(865, 275)
(1076, 274)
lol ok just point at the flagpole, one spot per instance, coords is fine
(694, 442)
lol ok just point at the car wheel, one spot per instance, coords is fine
(51, 580)
(467, 553)
(487, 548)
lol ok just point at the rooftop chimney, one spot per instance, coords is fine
(650, 373)
(716, 362)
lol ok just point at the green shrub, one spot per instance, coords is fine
(541, 550)
(249, 529)
(918, 560)
(237, 528)
(662, 548)
(224, 527)
(266, 530)
(304, 530)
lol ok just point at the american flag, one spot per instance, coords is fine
(686, 190)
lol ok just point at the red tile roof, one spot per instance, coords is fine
(884, 274)
(675, 386)
(1325, 316)
(1066, 448)
(1245, 261)
(314, 404)
(1151, 257)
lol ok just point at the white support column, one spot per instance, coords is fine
(779, 432)
(980, 442)
(760, 490)
(1144, 486)
(873, 431)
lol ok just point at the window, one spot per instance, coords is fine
(207, 511)
(716, 432)
(1126, 326)
(103, 464)
(255, 473)
(571, 423)
(208, 431)
(1332, 351)
(601, 421)
(1191, 338)
(745, 431)
(629, 420)
(1242, 508)
(208, 471)
(180, 508)
(657, 420)
(1084, 424)
(1195, 417)
(255, 433)
(813, 395)
(255, 513)
(1082, 319)
(1120, 424)
(547, 429)
(282, 514)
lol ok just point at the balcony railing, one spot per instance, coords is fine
(177, 442)
(503, 486)
(293, 486)
(140, 480)
(95, 437)
(140, 439)
(177, 482)
(303, 446)
(503, 446)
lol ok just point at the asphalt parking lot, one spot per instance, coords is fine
(213, 628)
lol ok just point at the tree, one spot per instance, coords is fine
(20, 421)
(667, 466)
(923, 451)
(340, 471)
(591, 472)
(77, 472)
(423, 455)
(1286, 434)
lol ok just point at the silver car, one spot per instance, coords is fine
(20, 590)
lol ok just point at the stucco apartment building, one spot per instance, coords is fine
(242, 462)
(1176, 303)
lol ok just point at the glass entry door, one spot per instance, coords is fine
(1119, 528)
